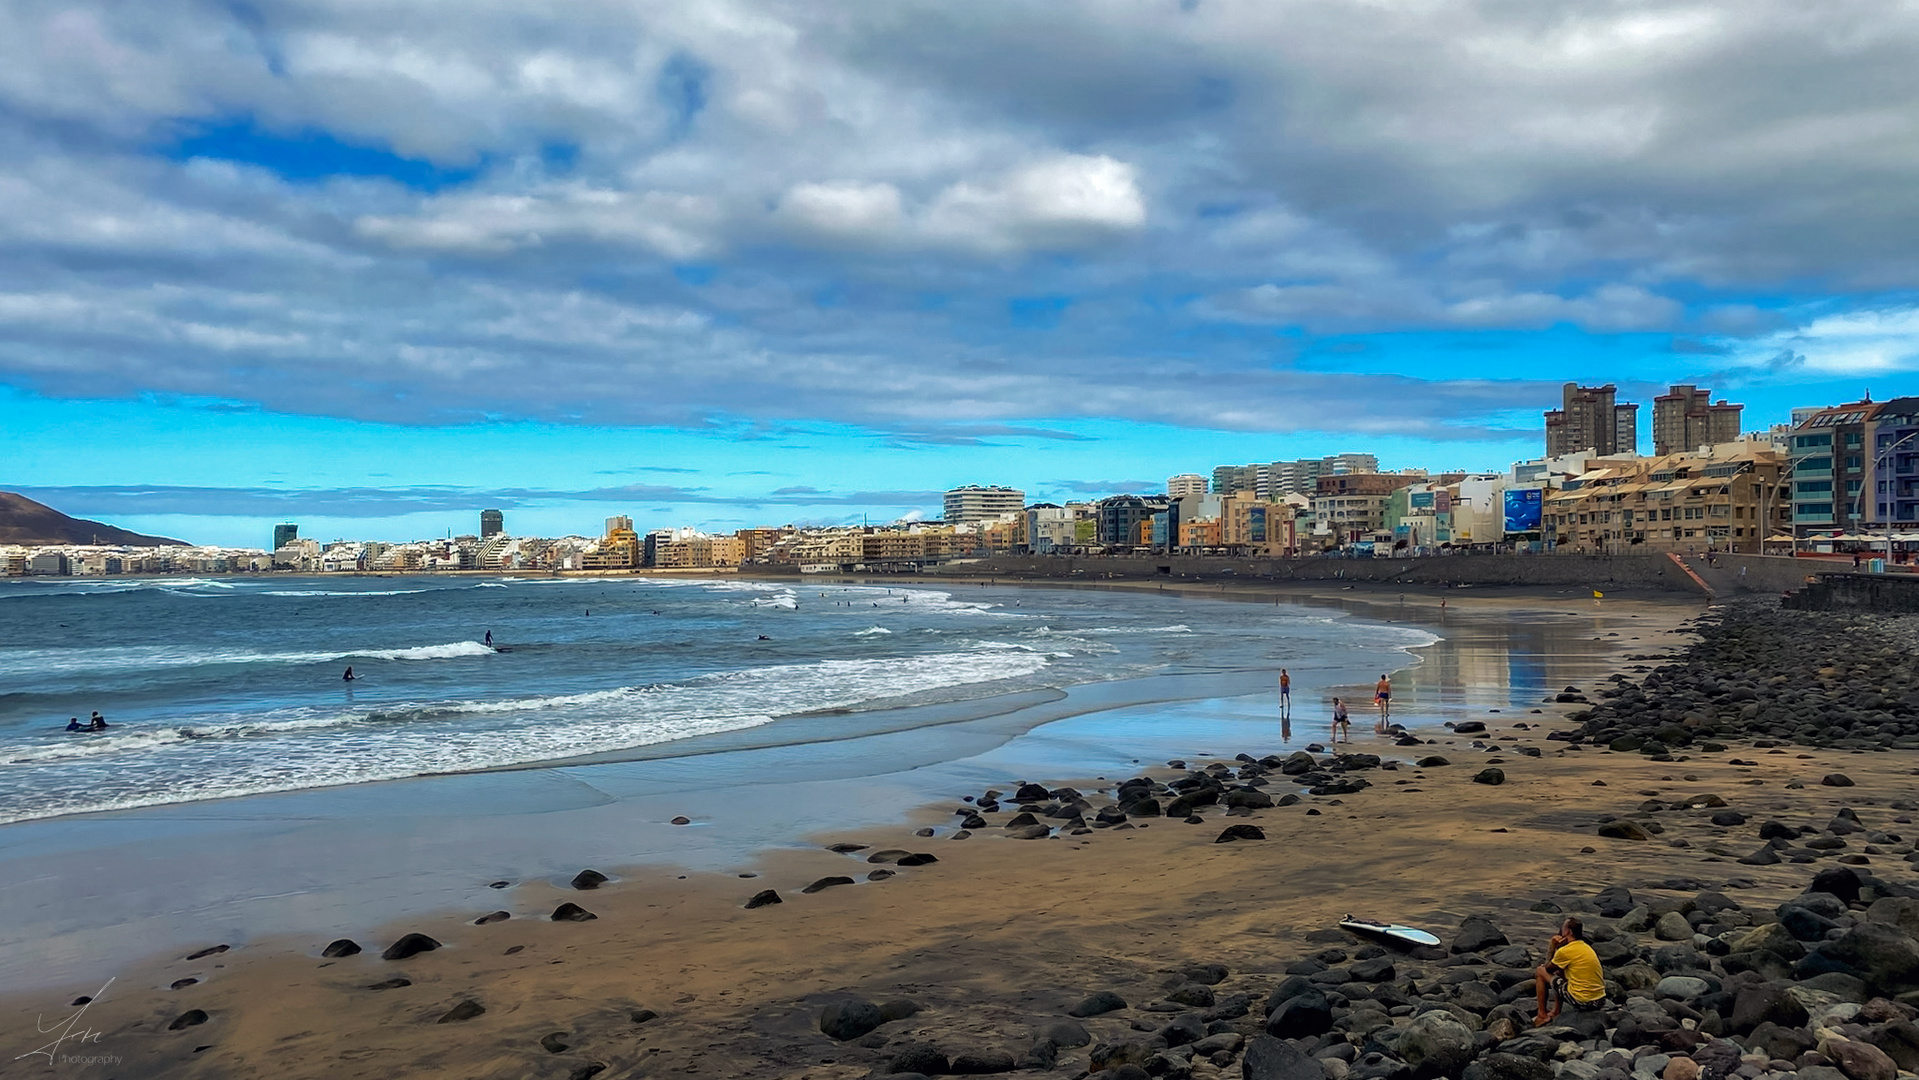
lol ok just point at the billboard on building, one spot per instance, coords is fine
(1523, 506)
(1422, 500)
(1256, 524)
(1442, 502)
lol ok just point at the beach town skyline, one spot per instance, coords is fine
(765, 253)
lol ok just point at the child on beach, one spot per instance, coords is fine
(1341, 726)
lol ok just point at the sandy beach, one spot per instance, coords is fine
(997, 938)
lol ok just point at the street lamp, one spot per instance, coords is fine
(1892, 491)
(1765, 504)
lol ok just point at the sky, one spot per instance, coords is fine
(372, 266)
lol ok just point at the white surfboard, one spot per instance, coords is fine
(1407, 935)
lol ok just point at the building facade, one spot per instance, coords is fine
(1590, 418)
(1685, 418)
(1892, 474)
(975, 503)
(492, 523)
(1828, 468)
(1119, 518)
(1178, 487)
(1728, 497)
(1351, 508)
(284, 535)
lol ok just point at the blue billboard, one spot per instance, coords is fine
(1523, 506)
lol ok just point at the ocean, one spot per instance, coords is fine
(216, 688)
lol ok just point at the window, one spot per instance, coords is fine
(1807, 487)
(1814, 509)
(1854, 461)
(1808, 442)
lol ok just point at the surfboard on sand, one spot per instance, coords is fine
(1405, 935)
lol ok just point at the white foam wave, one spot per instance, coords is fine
(218, 757)
(342, 592)
(28, 663)
(871, 631)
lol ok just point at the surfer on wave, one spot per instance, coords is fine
(349, 676)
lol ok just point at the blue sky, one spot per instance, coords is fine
(373, 266)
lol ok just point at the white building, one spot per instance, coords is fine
(974, 503)
(1178, 487)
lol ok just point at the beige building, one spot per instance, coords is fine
(1590, 418)
(1727, 498)
(1684, 418)
(699, 552)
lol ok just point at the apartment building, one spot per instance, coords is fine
(1828, 468)
(1728, 497)
(1685, 418)
(1591, 418)
(975, 503)
(1178, 487)
(1351, 508)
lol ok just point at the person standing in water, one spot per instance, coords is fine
(1383, 697)
(1341, 725)
(489, 638)
(1285, 692)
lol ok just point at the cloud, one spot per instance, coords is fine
(1106, 487)
(743, 215)
(1852, 343)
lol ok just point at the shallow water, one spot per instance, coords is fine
(225, 687)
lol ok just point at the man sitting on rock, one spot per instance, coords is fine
(1572, 972)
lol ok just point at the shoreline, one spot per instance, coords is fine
(999, 938)
(908, 798)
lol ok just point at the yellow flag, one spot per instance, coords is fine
(1597, 595)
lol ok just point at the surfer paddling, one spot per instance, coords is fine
(1572, 973)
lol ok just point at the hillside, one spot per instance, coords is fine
(23, 521)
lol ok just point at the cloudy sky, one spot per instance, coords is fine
(371, 265)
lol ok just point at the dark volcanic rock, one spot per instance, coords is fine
(919, 1058)
(980, 1063)
(492, 917)
(409, 945)
(465, 1010)
(826, 883)
(1268, 1058)
(1475, 933)
(849, 1019)
(1307, 1014)
(1494, 777)
(589, 879)
(341, 947)
(571, 912)
(763, 898)
(190, 1018)
(1097, 1004)
(1240, 832)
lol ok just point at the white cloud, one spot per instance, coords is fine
(1852, 343)
(1066, 200)
(673, 225)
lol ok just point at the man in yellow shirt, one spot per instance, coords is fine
(1572, 971)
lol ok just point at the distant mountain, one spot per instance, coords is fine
(25, 522)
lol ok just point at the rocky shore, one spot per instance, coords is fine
(1846, 681)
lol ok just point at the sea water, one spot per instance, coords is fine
(221, 687)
